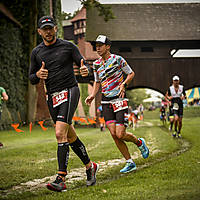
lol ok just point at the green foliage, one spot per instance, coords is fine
(44, 9)
(68, 16)
(104, 10)
(193, 111)
(14, 58)
(136, 97)
(58, 17)
(84, 94)
(15, 52)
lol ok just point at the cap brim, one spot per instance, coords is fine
(96, 42)
(47, 24)
(99, 42)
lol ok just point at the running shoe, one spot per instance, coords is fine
(179, 135)
(129, 167)
(170, 129)
(58, 185)
(143, 148)
(91, 174)
(174, 134)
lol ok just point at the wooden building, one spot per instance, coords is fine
(145, 35)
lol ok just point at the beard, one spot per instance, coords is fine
(49, 40)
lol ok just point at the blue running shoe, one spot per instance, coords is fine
(129, 167)
(143, 148)
(174, 134)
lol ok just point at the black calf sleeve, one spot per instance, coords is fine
(63, 156)
(171, 124)
(79, 149)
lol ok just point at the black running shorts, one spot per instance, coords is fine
(65, 111)
(179, 112)
(119, 118)
(171, 111)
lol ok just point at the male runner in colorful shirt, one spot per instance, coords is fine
(175, 95)
(52, 61)
(108, 73)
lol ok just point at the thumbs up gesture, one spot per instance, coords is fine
(42, 73)
(83, 69)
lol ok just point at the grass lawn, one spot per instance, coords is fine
(171, 171)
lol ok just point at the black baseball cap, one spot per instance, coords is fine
(46, 21)
(103, 39)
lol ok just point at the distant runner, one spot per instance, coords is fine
(163, 114)
(175, 95)
(3, 97)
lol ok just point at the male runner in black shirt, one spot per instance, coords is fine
(52, 61)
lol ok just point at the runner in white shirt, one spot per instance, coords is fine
(175, 95)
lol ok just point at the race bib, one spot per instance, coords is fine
(176, 106)
(119, 104)
(59, 97)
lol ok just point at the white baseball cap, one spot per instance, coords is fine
(176, 78)
(103, 39)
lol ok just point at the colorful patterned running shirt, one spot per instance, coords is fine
(110, 74)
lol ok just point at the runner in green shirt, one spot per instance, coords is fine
(3, 97)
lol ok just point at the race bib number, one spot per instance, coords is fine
(176, 106)
(59, 97)
(119, 104)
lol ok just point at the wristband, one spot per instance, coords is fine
(125, 85)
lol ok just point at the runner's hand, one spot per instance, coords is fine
(182, 97)
(42, 73)
(122, 91)
(170, 97)
(83, 69)
(89, 100)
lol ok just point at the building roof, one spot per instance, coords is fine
(142, 22)
(66, 22)
(80, 15)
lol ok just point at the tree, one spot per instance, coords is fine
(137, 96)
(104, 10)
(68, 16)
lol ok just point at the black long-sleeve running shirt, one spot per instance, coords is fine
(58, 59)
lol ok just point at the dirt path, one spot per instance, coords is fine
(76, 174)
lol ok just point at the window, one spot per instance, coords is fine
(185, 53)
(125, 49)
(146, 49)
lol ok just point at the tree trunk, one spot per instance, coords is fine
(32, 93)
